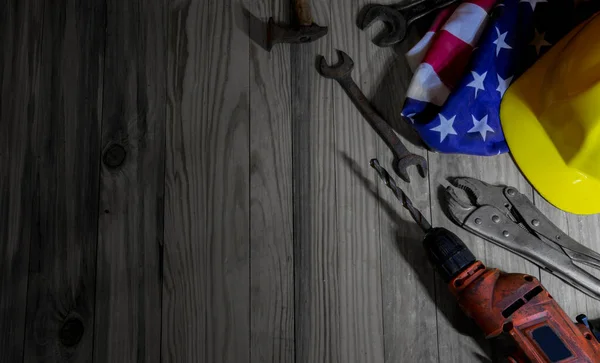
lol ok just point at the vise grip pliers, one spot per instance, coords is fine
(502, 215)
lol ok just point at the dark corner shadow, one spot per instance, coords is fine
(412, 251)
(389, 95)
(254, 27)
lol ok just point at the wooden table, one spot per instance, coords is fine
(172, 192)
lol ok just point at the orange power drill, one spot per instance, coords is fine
(499, 302)
(512, 303)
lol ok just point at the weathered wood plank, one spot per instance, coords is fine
(21, 37)
(408, 281)
(206, 248)
(129, 276)
(271, 227)
(359, 269)
(585, 230)
(459, 339)
(317, 301)
(569, 298)
(66, 113)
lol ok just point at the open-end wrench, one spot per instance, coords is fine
(402, 157)
(397, 18)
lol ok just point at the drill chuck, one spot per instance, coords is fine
(447, 253)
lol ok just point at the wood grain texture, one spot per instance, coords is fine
(271, 213)
(21, 37)
(408, 280)
(129, 276)
(359, 269)
(317, 300)
(585, 230)
(569, 298)
(459, 339)
(206, 249)
(66, 143)
(275, 242)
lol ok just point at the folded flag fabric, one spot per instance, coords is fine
(468, 59)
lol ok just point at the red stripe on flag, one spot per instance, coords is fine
(487, 5)
(449, 57)
(442, 17)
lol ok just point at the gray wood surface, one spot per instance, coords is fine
(206, 247)
(271, 213)
(359, 270)
(585, 230)
(242, 223)
(571, 300)
(18, 209)
(65, 146)
(408, 281)
(316, 262)
(129, 279)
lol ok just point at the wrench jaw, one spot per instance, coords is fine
(395, 24)
(401, 166)
(337, 71)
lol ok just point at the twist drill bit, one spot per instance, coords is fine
(402, 197)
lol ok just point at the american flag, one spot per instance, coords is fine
(467, 60)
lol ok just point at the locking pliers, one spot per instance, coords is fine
(504, 216)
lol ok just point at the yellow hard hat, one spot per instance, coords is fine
(551, 119)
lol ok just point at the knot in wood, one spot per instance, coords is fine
(114, 156)
(71, 332)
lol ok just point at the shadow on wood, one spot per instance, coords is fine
(390, 93)
(255, 28)
(414, 254)
(389, 98)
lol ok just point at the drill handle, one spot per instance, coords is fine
(518, 305)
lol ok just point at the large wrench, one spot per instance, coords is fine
(397, 18)
(402, 157)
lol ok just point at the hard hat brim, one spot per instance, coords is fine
(564, 187)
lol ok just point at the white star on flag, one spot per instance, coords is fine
(539, 41)
(445, 128)
(477, 82)
(501, 42)
(481, 126)
(410, 117)
(503, 84)
(533, 3)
